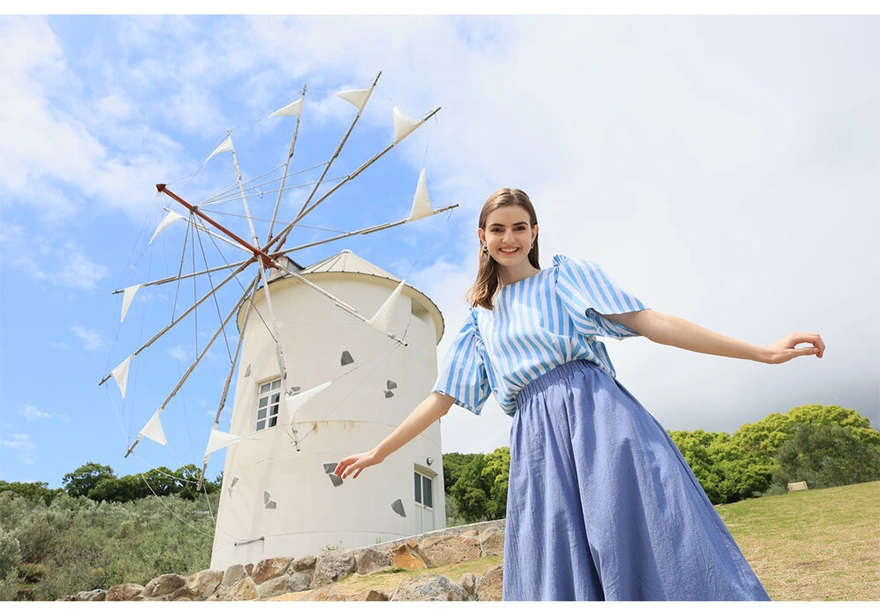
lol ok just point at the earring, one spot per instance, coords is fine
(485, 248)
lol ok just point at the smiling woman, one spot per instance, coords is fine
(596, 484)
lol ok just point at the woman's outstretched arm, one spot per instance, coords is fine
(674, 331)
(426, 413)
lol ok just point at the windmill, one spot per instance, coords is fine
(360, 305)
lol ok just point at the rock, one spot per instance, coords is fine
(492, 542)
(305, 563)
(405, 559)
(468, 581)
(125, 592)
(88, 595)
(323, 594)
(233, 576)
(249, 568)
(185, 594)
(283, 584)
(204, 583)
(429, 588)
(449, 550)
(270, 568)
(273, 588)
(370, 560)
(370, 595)
(297, 582)
(332, 567)
(489, 585)
(164, 585)
(243, 590)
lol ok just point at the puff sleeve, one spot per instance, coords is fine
(587, 293)
(463, 373)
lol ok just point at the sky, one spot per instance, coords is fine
(723, 168)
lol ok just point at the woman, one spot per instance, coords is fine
(601, 504)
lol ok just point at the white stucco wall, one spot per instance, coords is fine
(350, 416)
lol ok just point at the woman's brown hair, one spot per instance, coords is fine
(487, 283)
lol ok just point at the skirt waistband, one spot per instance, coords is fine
(559, 373)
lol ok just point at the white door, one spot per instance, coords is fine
(423, 486)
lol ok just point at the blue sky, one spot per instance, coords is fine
(722, 168)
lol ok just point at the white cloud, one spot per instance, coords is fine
(180, 353)
(693, 167)
(22, 445)
(59, 145)
(78, 271)
(68, 267)
(91, 338)
(32, 413)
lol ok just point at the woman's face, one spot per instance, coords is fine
(508, 235)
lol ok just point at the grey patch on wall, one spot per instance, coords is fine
(389, 394)
(336, 481)
(390, 384)
(329, 467)
(267, 496)
(247, 372)
(346, 358)
(271, 505)
(397, 507)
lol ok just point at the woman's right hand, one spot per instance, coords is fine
(356, 463)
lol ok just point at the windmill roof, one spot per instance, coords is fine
(348, 262)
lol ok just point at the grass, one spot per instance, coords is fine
(813, 545)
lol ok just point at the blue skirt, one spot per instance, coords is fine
(602, 506)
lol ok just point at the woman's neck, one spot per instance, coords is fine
(510, 275)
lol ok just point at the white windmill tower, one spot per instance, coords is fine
(330, 359)
(279, 499)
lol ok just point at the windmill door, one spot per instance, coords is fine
(423, 485)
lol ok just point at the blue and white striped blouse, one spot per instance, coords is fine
(537, 324)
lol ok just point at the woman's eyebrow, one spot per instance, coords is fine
(516, 224)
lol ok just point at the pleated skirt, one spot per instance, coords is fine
(602, 506)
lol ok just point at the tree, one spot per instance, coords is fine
(825, 456)
(726, 471)
(478, 484)
(81, 481)
(37, 491)
(496, 473)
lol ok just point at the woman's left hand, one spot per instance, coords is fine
(784, 350)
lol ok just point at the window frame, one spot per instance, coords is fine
(270, 392)
(419, 491)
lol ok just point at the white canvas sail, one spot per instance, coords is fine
(153, 429)
(421, 206)
(382, 319)
(226, 146)
(169, 219)
(120, 374)
(358, 98)
(218, 440)
(293, 109)
(403, 125)
(296, 402)
(128, 294)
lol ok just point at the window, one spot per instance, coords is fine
(424, 493)
(267, 407)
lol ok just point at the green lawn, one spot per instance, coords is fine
(813, 545)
